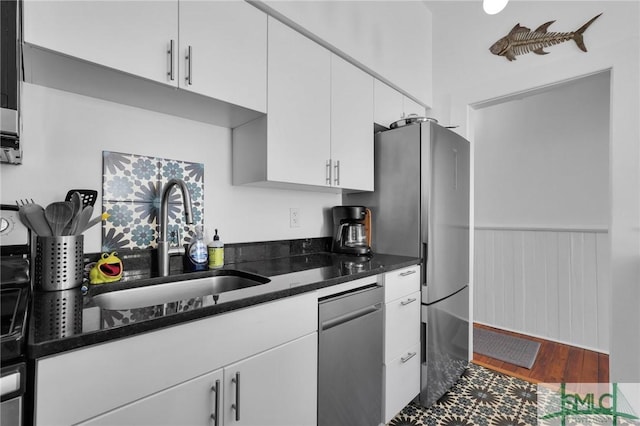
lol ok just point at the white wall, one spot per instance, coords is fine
(467, 74)
(543, 160)
(64, 135)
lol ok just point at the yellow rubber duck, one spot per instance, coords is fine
(106, 270)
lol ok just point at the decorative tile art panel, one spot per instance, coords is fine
(131, 190)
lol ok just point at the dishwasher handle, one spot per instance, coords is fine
(341, 319)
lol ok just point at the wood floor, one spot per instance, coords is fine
(555, 363)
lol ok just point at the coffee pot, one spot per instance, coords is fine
(352, 230)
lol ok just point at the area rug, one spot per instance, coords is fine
(480, 398)
(511, 349)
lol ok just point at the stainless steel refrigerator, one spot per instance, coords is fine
(420, 207)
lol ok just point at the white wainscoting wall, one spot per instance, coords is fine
(552, 283)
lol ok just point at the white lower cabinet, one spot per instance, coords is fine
(402, 381)
(276, 388)
(401, 339)
(190, 403)
(271, 388)
(166, 377)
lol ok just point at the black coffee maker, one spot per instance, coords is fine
(352, 230)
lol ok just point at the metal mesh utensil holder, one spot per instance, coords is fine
(59, 262)
(58, 313)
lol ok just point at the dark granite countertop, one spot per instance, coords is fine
(70, 319)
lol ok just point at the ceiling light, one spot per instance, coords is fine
(492, 7)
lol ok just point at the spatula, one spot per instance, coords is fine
(83, 219)
(33, 214)
(58, 214)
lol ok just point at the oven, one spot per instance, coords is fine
(15, 290)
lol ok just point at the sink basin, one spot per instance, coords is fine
(159, 294)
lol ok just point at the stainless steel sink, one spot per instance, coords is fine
(159, 294)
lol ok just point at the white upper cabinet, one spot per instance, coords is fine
(351, 126)
(214, 48)
(299, 85)
(391, 105)
(223, 51)
(130, 36)
(318, 132)
(387, 104)
(391, 38)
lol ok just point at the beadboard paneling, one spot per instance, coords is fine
(549, 283)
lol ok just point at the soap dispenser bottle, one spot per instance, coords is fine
(216, 252)
(196, 256)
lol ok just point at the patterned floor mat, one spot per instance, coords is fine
(480, 398)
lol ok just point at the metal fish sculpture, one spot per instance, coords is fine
(521, 40)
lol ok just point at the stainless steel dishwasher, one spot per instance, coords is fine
(350, 330)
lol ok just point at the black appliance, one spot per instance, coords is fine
(10, 76)
(352, 230)
(15, 287)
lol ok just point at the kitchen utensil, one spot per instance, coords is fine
(59, 263)
(96, 220)
(83, 220)
(76, 202)
(58, 214)
(410, 119)
(25, 220)
(33, 216)
(25, 202)
(88, 196)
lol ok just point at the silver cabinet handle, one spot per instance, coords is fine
(328, 172)
(411, 272)
(189, 59)
(170, 53)
(336, 169)
(236, 406)
(408, 357)
(406, 302)
(216, 404)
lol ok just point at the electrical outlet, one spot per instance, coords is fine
(294, 217)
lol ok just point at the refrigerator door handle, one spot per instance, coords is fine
(425, 257)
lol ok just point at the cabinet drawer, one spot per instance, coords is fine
(402, 324)
(402, 381)
(401, 282)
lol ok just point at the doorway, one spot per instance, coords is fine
(542, 205)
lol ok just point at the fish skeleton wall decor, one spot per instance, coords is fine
(521, 40)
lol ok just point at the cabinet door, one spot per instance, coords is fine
(351, 126)
(131, 36)
(190, 403)
(388, 104)
(277, 387)
(228, 42)
(298, 107)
